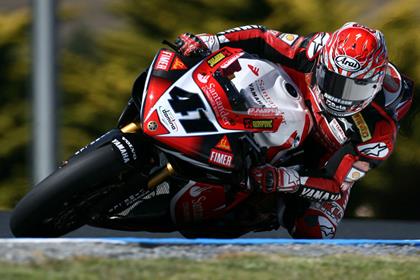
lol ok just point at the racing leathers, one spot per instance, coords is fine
(339, 150)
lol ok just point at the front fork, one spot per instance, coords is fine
(159, 175)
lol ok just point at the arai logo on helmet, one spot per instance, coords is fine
(347, 63)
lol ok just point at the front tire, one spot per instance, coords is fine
(58, 204)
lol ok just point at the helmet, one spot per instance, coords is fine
(350, 69)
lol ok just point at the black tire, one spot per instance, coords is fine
(52, 208)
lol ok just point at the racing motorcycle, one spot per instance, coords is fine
(180, 155)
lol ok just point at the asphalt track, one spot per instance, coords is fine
(348, 229)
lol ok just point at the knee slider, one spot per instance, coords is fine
(313, 227)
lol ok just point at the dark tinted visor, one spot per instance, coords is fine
(342, 87)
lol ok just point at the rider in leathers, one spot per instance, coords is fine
(356, 98)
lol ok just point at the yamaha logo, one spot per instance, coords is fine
(347, 63)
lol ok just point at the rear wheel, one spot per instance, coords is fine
(59, 203)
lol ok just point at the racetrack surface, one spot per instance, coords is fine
(101, 243)
(348, 229)
(36, 250)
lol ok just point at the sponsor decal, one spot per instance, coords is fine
(332, 210)
(335, 103)
(215, 59)
(196, 190)
(224, 144)
(122, 149)
(197, 208)
(152, 126)
(354, 174)
(178, 64)
(254, 70)
(164, 60)
(327, 229)
(362, 126)
(376, 150)
(347, 63)
(260, 94)
(216, 102)
(258, 124)
(167, 118)
(315, 45)
(337, 100)
(347, 125)
(264, 112)
(221, 158)
(288, 38)
(318, 194)
(133, 151)
(203, 78)
(338, 131)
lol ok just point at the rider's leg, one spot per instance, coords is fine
(313, 219)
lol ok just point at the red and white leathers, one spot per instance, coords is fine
(340, 150)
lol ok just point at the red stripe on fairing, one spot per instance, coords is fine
(157, 86)
(190, 146)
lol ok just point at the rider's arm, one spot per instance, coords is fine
(352, 161)
(291, 50)
(372, 143)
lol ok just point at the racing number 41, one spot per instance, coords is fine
(183, 102)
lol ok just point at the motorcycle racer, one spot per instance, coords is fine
(356, 97)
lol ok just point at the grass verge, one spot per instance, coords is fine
(228, 266)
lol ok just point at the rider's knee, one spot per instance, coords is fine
(312, 225)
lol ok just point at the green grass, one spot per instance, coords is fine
(234, 266)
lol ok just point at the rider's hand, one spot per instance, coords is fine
(191, 45)
(271, 179)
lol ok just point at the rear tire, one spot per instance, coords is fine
(56, 206)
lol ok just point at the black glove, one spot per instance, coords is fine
(191, 45)
(270, 179)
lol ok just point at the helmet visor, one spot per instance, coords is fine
(345, 88)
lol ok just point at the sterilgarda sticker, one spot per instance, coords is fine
(215, 59)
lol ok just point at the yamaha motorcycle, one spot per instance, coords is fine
(180, 155)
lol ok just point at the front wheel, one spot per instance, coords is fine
(59, 203)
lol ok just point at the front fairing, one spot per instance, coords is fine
(204, 115)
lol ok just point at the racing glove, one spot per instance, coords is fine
(191, 45)
(270, 179)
